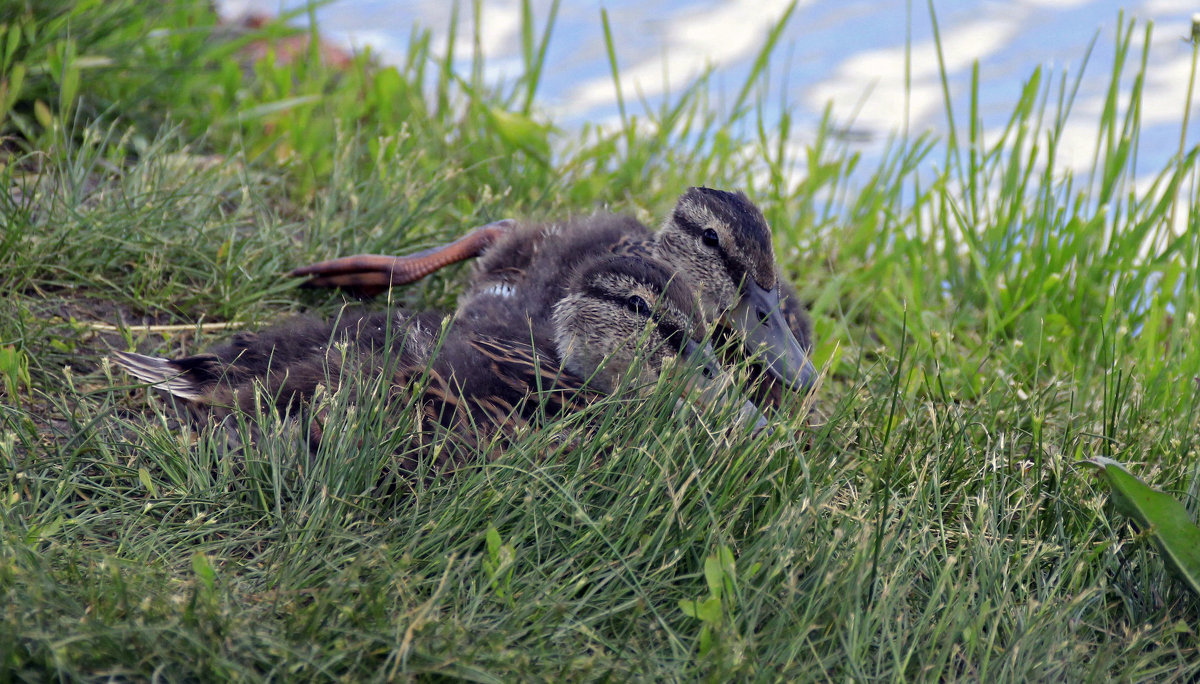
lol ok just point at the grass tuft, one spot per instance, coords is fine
(986, 322)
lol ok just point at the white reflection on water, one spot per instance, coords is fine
(848, 52)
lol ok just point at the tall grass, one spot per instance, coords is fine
(984, 324)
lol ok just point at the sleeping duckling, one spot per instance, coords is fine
(502, 363)
(718, 241)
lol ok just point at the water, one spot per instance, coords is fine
(847, 52)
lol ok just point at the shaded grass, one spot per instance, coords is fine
(984, 327)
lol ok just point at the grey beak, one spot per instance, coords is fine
(768, 336)
(703, 358)
(712, 382)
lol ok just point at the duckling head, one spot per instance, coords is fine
(721, 243)
(628, 314)
(621, 314)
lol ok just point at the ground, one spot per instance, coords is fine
(984, 321)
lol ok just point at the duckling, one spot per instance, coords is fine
(503, 361)
(620, 321)
(718, 241)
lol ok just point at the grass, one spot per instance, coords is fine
(984, 326)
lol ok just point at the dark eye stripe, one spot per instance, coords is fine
(735, 270)
(673, 334)
(687, 223)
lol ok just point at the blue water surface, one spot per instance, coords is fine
(849, 53)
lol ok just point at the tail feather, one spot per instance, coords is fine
(159, 372)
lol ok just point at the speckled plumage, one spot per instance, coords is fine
(503, 362)
(717, 241)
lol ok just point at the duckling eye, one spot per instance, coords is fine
(710, 238)
(639, 305)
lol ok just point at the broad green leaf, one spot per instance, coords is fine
(1164, 518)
(705, 640)
(14, 370)
(38, 533)
(10, 46)
(144, 478)
(41, 112)
(275, 107)
(714, 576)
(493, 543)
(69, 86)
(12, 87)
(204, 570)
(708, 610)
(521, 131)
(720, 572)
(93, 62)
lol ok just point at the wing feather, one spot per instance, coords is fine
(159, 372)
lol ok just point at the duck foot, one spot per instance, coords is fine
(370, 274)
